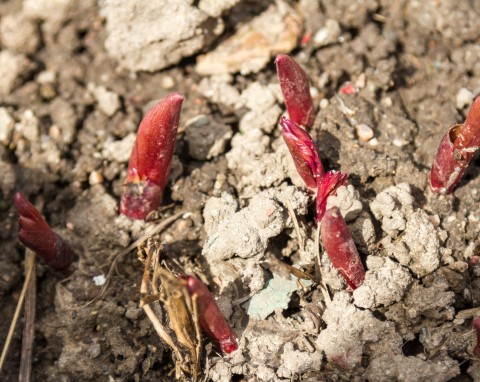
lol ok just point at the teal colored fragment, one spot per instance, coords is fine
(275, 296)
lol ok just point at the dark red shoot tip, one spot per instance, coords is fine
(328, 185)
(455, 152)
(340, 248)
(476, 326)
(295, 87)
(151, 158)
(35, 233)
(210, 317)
(304, 152)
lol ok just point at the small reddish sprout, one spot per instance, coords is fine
(210, 317)
(328, 185)
(476, 326)
(340, 248)
(151, 157)
(304, 153)
(295, 87)
(455, 152)
(35, 233)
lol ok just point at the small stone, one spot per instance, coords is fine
(364, 132)
(329, 34)
(133, 313)
(94, 350)
(95, 178)
(119, 151)
(167, 82)
(108, 101)
(6, 126)
(324, 103)
(46, 77)
(28, 126)
(464, 97)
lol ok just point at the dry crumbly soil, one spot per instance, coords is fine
(69, 110)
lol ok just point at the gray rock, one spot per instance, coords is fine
(206, 138)
(148, 36)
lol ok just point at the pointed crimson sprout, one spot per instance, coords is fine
(295, 87)
(210, 317)
(476, 326)
(304, 153)
(328, 185)
(455, 152)
(340, 248)
(35, 233)
(151, 157)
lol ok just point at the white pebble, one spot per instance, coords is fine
(6, 126)
(364, 132)
(464, 97)
(95, 178)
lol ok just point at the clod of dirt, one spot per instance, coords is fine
(246, 232)
(347, 199)
(28, 126)
(404, 369)
(385, 283)
(206, 138)
(65, 118)
(14, 67)
(217, 210)
(296, 362)
(264, 112)
(6, 126)
(273, 32)
(108, 101)
(363, 232)
(418, 247)
(393, 206)
(8, 179)
(219, 90)
(352, 333)
(119, 151)
(147, 37)
(422, 307)
(19, 34)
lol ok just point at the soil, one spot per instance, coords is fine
(77, 76)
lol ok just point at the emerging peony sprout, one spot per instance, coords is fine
(327, 186)
(210, 317)
(307, 161)
(340, 248)
(35, 233)
(151, 157)
(304, 153)
(295, 87)
(455, 152)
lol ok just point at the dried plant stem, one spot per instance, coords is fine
(291, 212)
(16, 314)
(156, 229)
(323, 287)
(29, 318)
